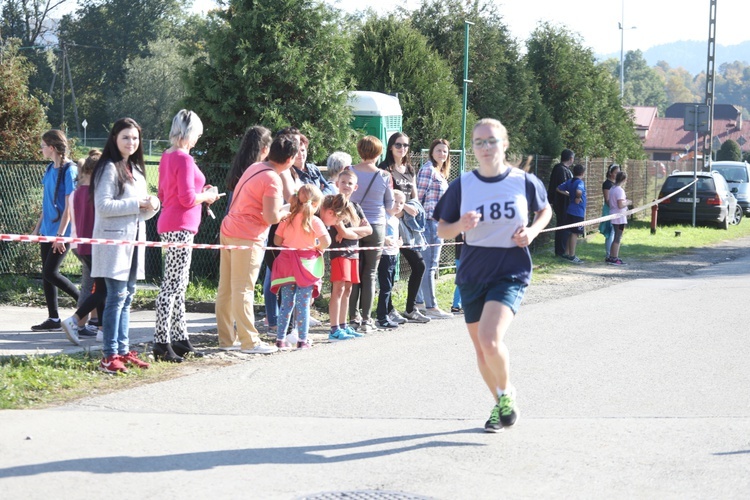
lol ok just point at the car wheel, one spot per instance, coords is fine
(737, 216)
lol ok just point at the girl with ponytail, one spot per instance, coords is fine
(297, 272)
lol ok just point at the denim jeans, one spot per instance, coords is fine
(431, 257)
(456, 291)
(116, 318)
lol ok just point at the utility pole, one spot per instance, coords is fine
(466, 94)
(710, 75)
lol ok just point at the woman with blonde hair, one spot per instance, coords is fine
(182, 191)
(493, 206)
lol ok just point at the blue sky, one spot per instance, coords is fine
(656, 21)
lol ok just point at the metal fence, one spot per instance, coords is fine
(21, 194)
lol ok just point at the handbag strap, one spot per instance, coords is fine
(237, 190)
(368, 187)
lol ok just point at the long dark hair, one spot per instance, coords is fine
(255, 139)
(390, 163)
(111, 153)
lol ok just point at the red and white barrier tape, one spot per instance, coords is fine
(28, 238)
(612, 216)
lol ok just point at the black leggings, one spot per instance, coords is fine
(417, 265)
(96, 299)
(52, 279)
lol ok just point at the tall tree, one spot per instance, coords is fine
(581, 97)
(22, 119)
(153, 88)
(643, 85)
(390, 56)
(501, 85)
(274, 63)
(100, 38)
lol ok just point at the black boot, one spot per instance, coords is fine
(182, 347)
(164, 352)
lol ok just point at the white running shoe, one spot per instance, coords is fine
(437, 313)
(70, 327)
(261, 348)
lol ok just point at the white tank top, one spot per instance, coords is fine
(502, 204)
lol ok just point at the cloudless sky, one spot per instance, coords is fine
(656, 21)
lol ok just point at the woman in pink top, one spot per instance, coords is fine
(256, 204)
(182, 190)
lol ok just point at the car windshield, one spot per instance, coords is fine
(733, 174)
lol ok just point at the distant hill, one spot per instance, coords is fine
(691, 55)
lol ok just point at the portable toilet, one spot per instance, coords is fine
(376, 114)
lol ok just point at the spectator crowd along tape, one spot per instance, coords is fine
(27, 238)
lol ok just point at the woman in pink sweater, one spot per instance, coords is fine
(182, 190)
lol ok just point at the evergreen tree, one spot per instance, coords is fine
(581, 97)
(392, 57)
(275, 63)
(729, 151)
(501, 86)
(22, 120)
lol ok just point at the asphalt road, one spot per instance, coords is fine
(638, 390)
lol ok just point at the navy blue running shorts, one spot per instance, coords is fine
(473, 296)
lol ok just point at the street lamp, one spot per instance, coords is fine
(621, 26)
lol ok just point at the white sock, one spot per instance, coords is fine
(500, 392)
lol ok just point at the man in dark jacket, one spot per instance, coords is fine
(560, 173)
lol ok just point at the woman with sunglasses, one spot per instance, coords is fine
(398, 163)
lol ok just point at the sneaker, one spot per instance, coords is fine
(48, 325)
(339, 334)
(112, 364)
(508, 410)
(387, 323)
(437, 313)
(395, 317)
(132, 358)
(271, 329)
(576, 260)
(564, 256)
(303, 344)
(617, 262)
(261, 348)
(457, 310)
(493, 423)
(229, 348)
(88, 331)
(368, 327)
(416, 317)
(70, 327)
(293, 336)
(314, 321)
(420, 307)
(352, 332)
(283, 345)
(100, 336)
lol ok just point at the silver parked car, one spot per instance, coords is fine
(737, 175)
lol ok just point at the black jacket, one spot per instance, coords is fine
(560, 173)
